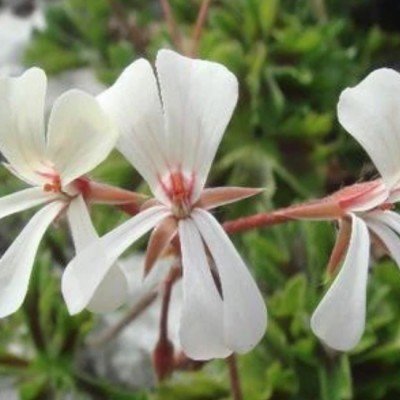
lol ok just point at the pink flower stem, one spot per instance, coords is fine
(261, 220)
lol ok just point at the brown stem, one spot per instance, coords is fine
(171, 24)
(234, 378)
(134, 34)
(163, 355)
(198, 28)
(173, 276)
(135, 311)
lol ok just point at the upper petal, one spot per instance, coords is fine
(201, 329)
(135, 106)
(339, 319)
(370, 112)
(17, 262)
(86, 271)
(80, 135)
(22, 139)
(113, 289)
(198, 98)
(245, 314)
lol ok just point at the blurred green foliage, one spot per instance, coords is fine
(292, 59)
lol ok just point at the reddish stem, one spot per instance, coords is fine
(163, 355)
(171, 24)
(198, 29)
(236, 388)
(261, 220)
(173, 276)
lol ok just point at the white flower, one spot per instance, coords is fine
(370, 112)
(171, 138)
(79, 137)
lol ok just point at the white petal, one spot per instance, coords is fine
(339, 319)
(23, 200)
(201, 329)
(22, 139)
(389, 218)
(370, 112)
(381, 224)
(198, 98)
(80, 135)
(17, 262)
(79, 283)
(134, 104)
(113, 289)
(245, 314)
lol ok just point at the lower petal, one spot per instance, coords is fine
(389, 238)
(339, 319)
(201, 327)
(17, 262)
(245, 314)
(79, 282)
(113, 289)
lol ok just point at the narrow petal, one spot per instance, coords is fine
(17, 262)
(245, 314)
(198, 98)
(113, 289)
(370, 112)
(215, 197)
(80, 135)
(339, 319)
(24, 199)
(135, 106)
(201, 329)
(79, 283)
(159, 240)
(22, 140)
(389, 218)
(387, 228)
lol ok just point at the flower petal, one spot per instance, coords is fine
(80, 135)
(245, 314)
(113, 289)
(134, 104)
(17, 262)
(339, 319)
(22, 140)
(201, 329)
(370, 113)
(23, 200)
(198, 98)
(389, 218)
(79, 282)
(386, 225)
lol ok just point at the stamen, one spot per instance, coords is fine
(179, 190)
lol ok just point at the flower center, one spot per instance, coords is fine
(54, 184)
(179, 189)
